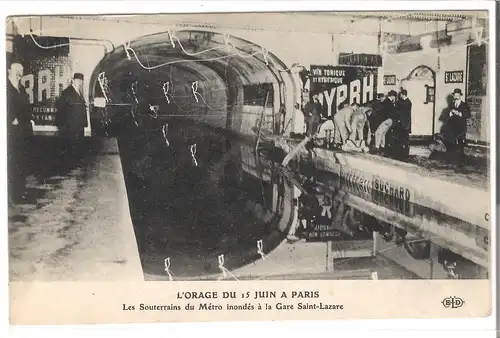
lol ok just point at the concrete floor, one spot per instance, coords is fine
(79, 227)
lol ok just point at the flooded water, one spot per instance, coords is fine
(196, 194)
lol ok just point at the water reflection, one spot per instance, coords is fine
(340, 208)
(194, 212)
(243, 207)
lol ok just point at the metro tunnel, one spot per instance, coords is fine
(185, 206)
(186, 110)
(179, 116)
(201, 75)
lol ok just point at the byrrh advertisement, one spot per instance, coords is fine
(185, 203)
(338, 84)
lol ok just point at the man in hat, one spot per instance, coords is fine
(20, 133)
(401, 128)
(457, 119)
(72, 112)
(389, 112)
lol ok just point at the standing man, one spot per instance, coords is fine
(459, 113)
(389, 112)
(378, 102)
(72, 113)
(20, 133)
(402, 129)
(312, 116)
(377, 114)
(404, 107)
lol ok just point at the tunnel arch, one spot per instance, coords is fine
(203, 56)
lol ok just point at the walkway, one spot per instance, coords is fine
(79, 228)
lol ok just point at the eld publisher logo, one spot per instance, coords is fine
(453, 302)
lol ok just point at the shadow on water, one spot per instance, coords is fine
(225, 199)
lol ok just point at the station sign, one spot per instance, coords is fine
(430, 94)
(456, 76)
(335, 85)
(389, 80)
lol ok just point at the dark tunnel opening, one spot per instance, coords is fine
(189, 207)
(232, 77)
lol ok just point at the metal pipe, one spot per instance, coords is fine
(90, 43)
(96, 40)
(80, 39)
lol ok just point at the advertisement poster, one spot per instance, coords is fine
(49, 64)
(46, 75)
(336, 85)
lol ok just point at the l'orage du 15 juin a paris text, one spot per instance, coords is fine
(247, 294)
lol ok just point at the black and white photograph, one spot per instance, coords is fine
(237, 147)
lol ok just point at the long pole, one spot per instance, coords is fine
(295, 150)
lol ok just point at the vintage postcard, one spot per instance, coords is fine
(250, 166)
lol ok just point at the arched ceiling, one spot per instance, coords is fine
(197, 53)
(216, 62)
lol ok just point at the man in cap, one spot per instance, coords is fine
(19, 131)
(72, 112)
(378, 102)
(312, 115)
(389, 111)
(404, 107)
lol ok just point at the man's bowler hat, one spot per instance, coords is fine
(78, 76)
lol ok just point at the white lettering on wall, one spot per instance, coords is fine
(353, 91)
(329, 99)
(28, 82)
(60, 78)
(44, 79)
(355, 87)
(368, 88)
(341, 94)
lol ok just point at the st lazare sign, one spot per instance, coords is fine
(456, 76)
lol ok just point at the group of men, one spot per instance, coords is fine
(71, 120)
(365, 127)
